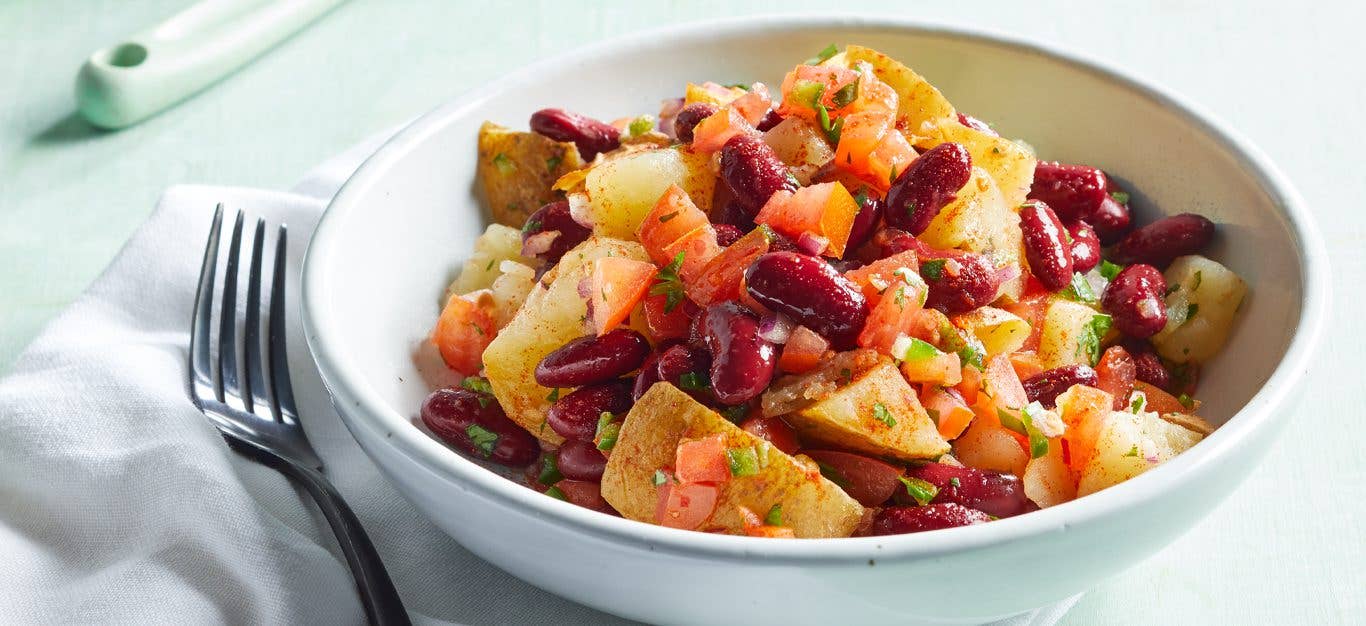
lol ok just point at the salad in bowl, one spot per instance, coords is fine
(838, 308)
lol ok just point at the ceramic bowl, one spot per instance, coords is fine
(387, 246)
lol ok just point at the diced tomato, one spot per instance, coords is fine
(685, 505)
(861, 134)
(877, 276)
(613, 289)
(1159, 401)
(462, 333)
(1002, 384)
(698, 247)
(865, 479)
(944, 369)
(896, 313)
(1026, 363)
(665, 324)
(773, 430)
(888, 159)
(755, 104)
(873, 95)
(1084, 409)
(951, 411)
(803, 351)
(806, 81)
(720, 280)
(673, 217)
(714, 131)
(970, 385)
(1115, 374)
(1031, 308)
(825, 209)
(702, 461)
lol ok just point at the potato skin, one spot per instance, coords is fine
(516, 170)
(812, 505)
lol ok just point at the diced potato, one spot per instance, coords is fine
(1001, 332)
(801, 146)
(552, 316)
(876, 412)
(789, 393)
(498, 243)
(980, 221)
(516, 170)
(987, 445)
(510, 290)
(1131, 444)
(1203, 299)
(1067, 334)
(920, 106)
(623, 189)
(1009, 164)
(812, 505)
(1047, 481)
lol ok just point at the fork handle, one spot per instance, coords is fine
(382, 604)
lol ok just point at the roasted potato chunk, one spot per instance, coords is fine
(920, 106)
(1202, 302)
(516, 170)
(812, 505)
(981, 221)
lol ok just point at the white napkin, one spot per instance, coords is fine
(120, 503)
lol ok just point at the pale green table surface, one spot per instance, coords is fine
(1286, 548)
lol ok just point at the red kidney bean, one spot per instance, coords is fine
(769, 120)
(773, 430)
(689, 117)
(1135, 300)
(732, 214)
(993, 493)
(742, 362)
(1149, 369)
(1045, 387)
(1085, 246)
(589, 135)
(865, 479)
(900, 520)
(976, 124)
(575, 415)
(865, 223)
(593, 359)
(1111, 220)
(968, 281)
(581, 460)
(467, 419)
(887, 242)
(646, 378)
(555, 217)
(1115, 374)
(586, 494)
(1074, 191)
(689, 369)
(1046, 249)
(811, 292)
(930, 182)
(753, 172)
(727, 234)
(1159, 242)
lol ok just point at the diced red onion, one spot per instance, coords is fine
(775, 328)
(1007, 273)
(812, 244)
(539, 243)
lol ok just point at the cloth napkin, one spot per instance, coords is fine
(120, 503)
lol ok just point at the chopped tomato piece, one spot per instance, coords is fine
(1159, 401)
(970, 385)
(1084, 409)
(865, 479)
(1031, 308)
(887, 159)
(860, 134)
(1002, 384)
(754, 105)
(702, 461)
(1026, 363)
(949, 409)
(807, 85)
(896, 314)
(698, 247)
(665, 324)
(773, 430)
(721, 279)
(944, 369)
(613, 289)
(876, 277)
(673, 217)
(714, 131)
(756, 527)
(462, 333)
(872, 95)
(685, 505)
(803, 351)
(824, 209)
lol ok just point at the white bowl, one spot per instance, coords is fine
(391, 238)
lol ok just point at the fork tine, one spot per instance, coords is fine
(201, 372)
(230, 391)
(283, 390)
(254, 391)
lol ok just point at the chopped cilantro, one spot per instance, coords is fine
(692, 381)
(1121, 197)
(477, 384)
(532, 226)
(1133, 451)
(550, 470)
(1137, 405)
(861, 197)
(1186, 400)
(833, 475)
(1110, 270)
(1191, 310)
(641, 125)
(743, 461)
(667, 216)
(845, 95)
(846, 375)
(670, 284)
(504, 164)
(1079, 290)
(556, 493)
(660, 478)
(774, 516)
(955, 482)
(607, 432)
(1195, 283)
(1088, 344)
(1171, 289)
(918, 350)
(553, 396)
(735, 413)
(1024, 425)
(477, 328)
(822, 56)
(832, 129)
(933, 269)
(881, 414)
(740, 86)
(920, 490)
(553, 163)
(490, 265)
(482, 438)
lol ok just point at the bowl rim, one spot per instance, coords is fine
(370, 412)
